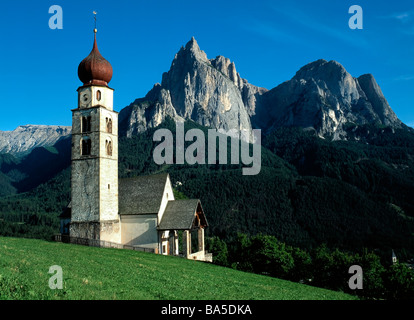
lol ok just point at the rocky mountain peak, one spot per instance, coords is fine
(227, 68)
(322, 70)
(192, 45)
(310, 67)
(190, 52)
(323, 96)
(209, 92)
(329, 75)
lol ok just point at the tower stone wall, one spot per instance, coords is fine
(94, 177)
(94, 180)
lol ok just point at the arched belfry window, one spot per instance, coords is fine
(86, 124)
(86, 146)
(108, 125)
(98, 95)
(108, 147)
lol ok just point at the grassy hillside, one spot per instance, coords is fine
(97, 273)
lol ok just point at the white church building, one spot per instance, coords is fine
(139, 212)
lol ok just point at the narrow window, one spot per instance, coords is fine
(108, 146)
(98, 95)
(86, 124)
(109, 125)
(83, 124)
(109, 187)
(86, 147)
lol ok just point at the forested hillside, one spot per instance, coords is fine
(347, 194)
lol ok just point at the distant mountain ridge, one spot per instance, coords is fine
(22, 140)
(322, 96)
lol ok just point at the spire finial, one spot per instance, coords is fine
(94, 16)
(94, 69)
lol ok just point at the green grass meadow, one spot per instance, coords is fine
(117, 274)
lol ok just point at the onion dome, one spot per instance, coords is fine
(94, 69)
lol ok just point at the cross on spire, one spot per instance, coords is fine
(94, 17)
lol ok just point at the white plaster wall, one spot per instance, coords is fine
(107, 97)
(110, 114)
(108, 167)
(163, 235)
(108, 189)
(168, 195)
(139, 230)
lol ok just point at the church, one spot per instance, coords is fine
(136, 213)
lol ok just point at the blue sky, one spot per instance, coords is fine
(268, 41)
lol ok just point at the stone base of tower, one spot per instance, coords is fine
(85, 230)
(104, 230)
(111, 231)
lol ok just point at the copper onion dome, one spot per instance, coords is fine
(94, 69)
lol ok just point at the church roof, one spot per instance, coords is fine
(180, 215)
(142, 194)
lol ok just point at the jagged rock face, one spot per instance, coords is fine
(25, 138)
(147, 112)
(323, 96)
(379, 103)
(210, 92)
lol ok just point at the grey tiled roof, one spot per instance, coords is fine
(142, 194)
(179, 214)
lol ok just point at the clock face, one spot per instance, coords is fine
(85, 98)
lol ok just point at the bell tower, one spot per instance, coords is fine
(94, 180)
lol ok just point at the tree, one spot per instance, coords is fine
(301, 270)
(373, 274)
(399, 282)
(322, 266)
(270, 256)
(219, 249)
(241, 253)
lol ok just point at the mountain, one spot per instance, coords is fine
(352, 192)
(31, 155)
(38, 166)
(22, 140)
(209, 92)
(324, 97)
(42, 164)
